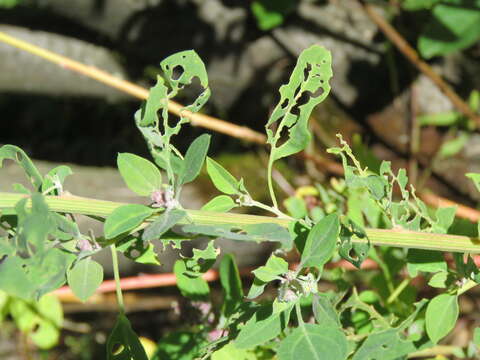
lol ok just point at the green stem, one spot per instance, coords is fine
(270, 183)
(467, 286)
(394, 295)
(298, 309)
(397, 238)
(116, 275)
(270, 209)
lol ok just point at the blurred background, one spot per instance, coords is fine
(380, 100)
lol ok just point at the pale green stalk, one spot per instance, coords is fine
(116, 276)
(397, 238)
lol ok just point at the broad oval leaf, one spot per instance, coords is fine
(194, 159)
(84, 278)
(314, 342)
(385, 345)
(220, 203)
(221, 178)
(321, 241)
(441, 316)
(125, 218)
(140, 175)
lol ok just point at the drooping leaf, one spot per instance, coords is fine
(194, 159)
(267, 323)
(193, 288)
(308, 86)
(220, 203)
(274, 267)
(202, 260)
(324, 311)
(55, 178)
(21, 158)
(140, 175)
(125, 218)
(314, 342)
(425, 260)
(162, 224)
(321, 241)
(221, 178)
(84, 278)
(451, 28)
(231, 285)
(123, 343)
(441, 316)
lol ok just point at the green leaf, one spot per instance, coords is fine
(314, 342)
(270, 13)
(441, 316)
(267, 323)
(448, 118)
(451, 28)
(231, 352)
(55, 177)
(274, 267)
(385, 345)
(220, 203)
(308, 86)
(476, 336)
(202, 260)
(140, 175)
(324, 311)
(125, 218)
(453, 146)
(475, 178)
(296, 207)
(13, 279)
(321, 242)
(84, 278)
(21, 158)
(425, 260)
(193, 288)
(123, 343)
(355, 253)
(162, 224)
(256, 289)
(221, 178)
(139, 251)
(231, 285)
(445, 217)
(439, 280)
(180, 345)
(194, 159)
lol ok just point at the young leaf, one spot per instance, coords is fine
(321, 242)
(221, 178)
(55, 177)
(193, 288)
(441, 316)
(123, 343)
(296, 207)
(125, 218)
(194, 159)
(308, 86)
(231, 285)
(162, 224)
(267, 323)
(314, 342)
(84, 278)
(220, 203)
(274, 267)
(140, 175)
(21, 158)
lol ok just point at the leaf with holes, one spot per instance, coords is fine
(313, 342)
(16, 154)
(441, 316)
(125, 218)
(123, 343)
(84, 278)
(202, 260)
(308, 86)
(140, 175)
(355, 253)
(194, 159)
(193, 288)
(321, 242)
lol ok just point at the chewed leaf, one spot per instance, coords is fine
(195, 288)
(123, 343)
(202, 260)
(355, 253)
(157, 99)
(308, 86)
(140, 175)
(16, 154)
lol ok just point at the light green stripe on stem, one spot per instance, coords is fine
(397, 238)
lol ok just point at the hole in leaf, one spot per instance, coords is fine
(134, 253)
(317, 92)
(35, 327)
(284, 104)
(177, 72)
(201, 261)
(117, 349)
(306, 71)
(384, 346)
(304, 98)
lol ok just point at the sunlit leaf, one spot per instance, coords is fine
(221, 178)
(441, 316)
(220, 203)
(194, 159)
(125, 218)
(140, 175)
(123, 343)
(195, 288)
(84, 278)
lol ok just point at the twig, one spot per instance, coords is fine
(410, 53)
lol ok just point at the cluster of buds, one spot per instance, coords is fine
(293, 286)
(164, 198)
